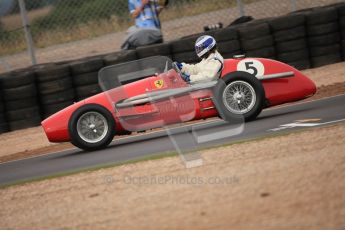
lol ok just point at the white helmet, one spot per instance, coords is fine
(204, 44)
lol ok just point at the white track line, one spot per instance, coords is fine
(201, 123)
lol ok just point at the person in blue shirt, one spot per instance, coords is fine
(145, 13)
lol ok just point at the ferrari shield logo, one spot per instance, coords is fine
(159, 83)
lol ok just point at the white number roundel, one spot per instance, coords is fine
(251, 66)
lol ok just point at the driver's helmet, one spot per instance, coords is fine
(204, 44)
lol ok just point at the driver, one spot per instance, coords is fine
(211, 65)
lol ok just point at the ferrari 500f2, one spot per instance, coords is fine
(150, 93)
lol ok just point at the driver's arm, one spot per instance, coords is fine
(204, 71)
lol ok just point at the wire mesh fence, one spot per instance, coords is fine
(70, 29)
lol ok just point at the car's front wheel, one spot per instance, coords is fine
(91, 127)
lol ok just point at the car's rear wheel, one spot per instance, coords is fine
(239, 96)
(91, 127)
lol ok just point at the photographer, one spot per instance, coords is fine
(145, 13)
(147, 29)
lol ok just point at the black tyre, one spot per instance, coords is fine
(293, 56)
(322, 40)
(22, 103)
(290, 34)
(3, 128)
(52, 72)
(229, 46)
(2, 106)
(55, 86)
(91, 127)
(326, 60)
(22, 114)
(23, 124)
(54, 98)
(183, 45)
(51, 109)
(163, 49)
(257, 43)
(324, 50)
(231, 54)
(186, 57)
(119, 57)
(299, 44)
(268, 52)
(21, 92)
(2, 118)
(87, 91)
(342, 22)
(342, 33)
(239, 95)
(341, 8)
(86, 65)
(322, 16)
(225, 34)
(254, 31)
(16, 79)
(300, 64)
(320, 29)
(287, 22)
(85, 79)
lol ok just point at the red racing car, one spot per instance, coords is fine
(149, 93)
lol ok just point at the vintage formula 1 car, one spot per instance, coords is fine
(149, 93)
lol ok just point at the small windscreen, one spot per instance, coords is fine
(117, 75)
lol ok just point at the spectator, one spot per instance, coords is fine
(147, 29)
(145, 13)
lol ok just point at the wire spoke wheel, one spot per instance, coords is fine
(92, 127)
(239, 97)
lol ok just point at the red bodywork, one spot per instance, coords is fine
(193, 106)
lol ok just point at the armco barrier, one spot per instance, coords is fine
(304, 39)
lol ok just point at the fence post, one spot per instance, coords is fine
(240, 7)
(293, 5)
(28, 36)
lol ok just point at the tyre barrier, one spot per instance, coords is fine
(55, 87)
(227, 42)
(21, 105)
(290, 40)
(323, 36)
(341, 18)
(85, 77)
(256, 40)
(304, 39)
(3, 122)
(120, 57)
(161, 49)
(183, 49)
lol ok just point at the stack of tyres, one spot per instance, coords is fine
(323, 36)
(85, 77)
(256, 40)
(341, 14)
(183, 50)
(120, 57)
(290, 39)
(162, 49)
(55, 88)
(3, 122)
(227, 42)
(20, 97)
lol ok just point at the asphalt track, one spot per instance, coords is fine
(287, 118)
